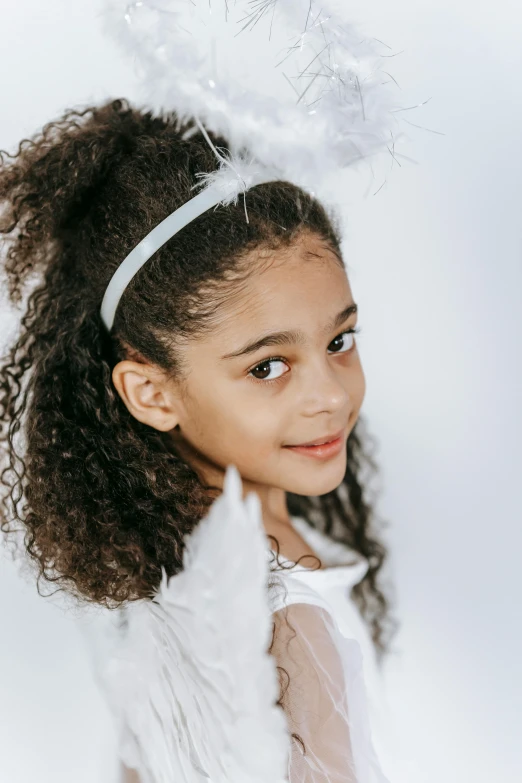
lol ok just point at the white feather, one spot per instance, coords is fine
(235, 174)
(311, 100)
(190, 680)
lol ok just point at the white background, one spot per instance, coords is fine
(435, 263)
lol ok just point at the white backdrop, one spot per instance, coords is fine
(435, 263)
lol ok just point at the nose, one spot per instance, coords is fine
(325, 389)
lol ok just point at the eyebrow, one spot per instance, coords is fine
(292, 337)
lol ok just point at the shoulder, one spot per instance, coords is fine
(288, 590)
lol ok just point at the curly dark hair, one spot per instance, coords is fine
(104, 500)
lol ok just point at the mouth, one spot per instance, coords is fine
(321, 448)
(318, 441)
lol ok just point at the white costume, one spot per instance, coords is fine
(192, 687)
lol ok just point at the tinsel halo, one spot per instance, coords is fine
(308, 100)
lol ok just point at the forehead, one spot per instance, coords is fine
(304, 283)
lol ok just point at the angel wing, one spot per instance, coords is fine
(193, 689)
(188, 675)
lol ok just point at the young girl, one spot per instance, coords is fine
(233, 345)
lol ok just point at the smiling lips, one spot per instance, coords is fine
(319, 441)
(325, 450)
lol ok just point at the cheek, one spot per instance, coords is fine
(357, 384)
(257, 423)
(224, 422)
(360, 389)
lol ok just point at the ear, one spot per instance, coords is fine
(144, 390)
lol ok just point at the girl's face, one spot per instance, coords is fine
(280, 368)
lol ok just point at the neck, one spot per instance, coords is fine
(273, 503)
(273, 499)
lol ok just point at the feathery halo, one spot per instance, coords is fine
(306, 109)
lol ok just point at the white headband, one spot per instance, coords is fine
(235, 175)
(209, 197)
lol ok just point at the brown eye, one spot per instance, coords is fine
(340, 340)
(264, 368)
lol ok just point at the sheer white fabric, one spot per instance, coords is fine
(343, 568)
(324, 700)
(193, 689)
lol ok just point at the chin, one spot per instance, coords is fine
(315, 485)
